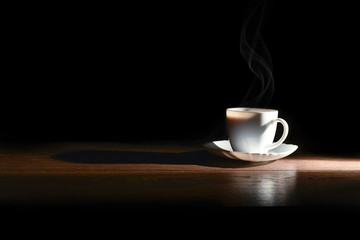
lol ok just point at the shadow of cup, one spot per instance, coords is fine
(201, 158)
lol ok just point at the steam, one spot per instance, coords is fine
(256, 54)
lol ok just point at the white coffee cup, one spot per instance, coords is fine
(253, 130)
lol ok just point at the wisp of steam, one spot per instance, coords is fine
(256, 54)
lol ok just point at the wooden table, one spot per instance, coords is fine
(134, 176)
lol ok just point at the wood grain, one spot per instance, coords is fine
(169, 174)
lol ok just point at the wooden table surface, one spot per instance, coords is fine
(135, 175)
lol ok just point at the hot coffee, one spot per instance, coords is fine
(253, 129)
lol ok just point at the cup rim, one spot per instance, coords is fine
(251, 109)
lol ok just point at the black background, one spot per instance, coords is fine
(147, 72)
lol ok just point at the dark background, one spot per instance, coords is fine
(147, 72)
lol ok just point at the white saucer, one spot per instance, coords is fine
(223, 148)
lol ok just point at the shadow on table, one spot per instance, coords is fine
(202, 158)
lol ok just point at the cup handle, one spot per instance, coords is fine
(284, 135)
